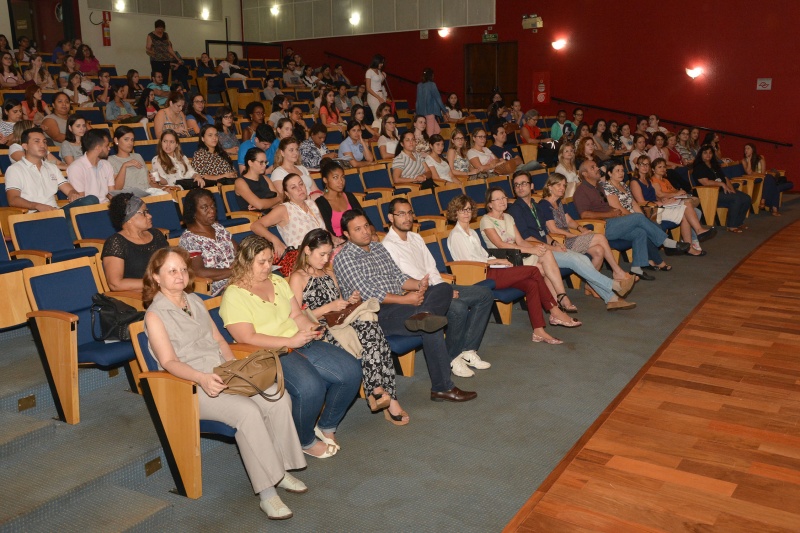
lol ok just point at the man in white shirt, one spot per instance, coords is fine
(32, 182)
(471, 305)
(91, 173)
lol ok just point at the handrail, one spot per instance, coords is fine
(244, 44)
(677, 123)
(365, 67)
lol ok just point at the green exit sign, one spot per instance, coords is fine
(490, 37)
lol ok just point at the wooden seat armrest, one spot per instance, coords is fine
(202, 285)
(251, 216)
(50, 314)
(557, 237)
(468, 272)
(242, 349)
(163, 374)
(440, 222)
(449, 278)
(599, 225)
(132, 298)
(89, 243)
(37, 257)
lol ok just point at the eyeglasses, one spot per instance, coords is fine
(403, 214)
(458, 138)
(520, 184)
(261, 161)
(143, 212)
(466, 210)
(225, 117)
(500, 199)
(480, 136)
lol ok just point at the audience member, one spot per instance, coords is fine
(91, 174)
(537, 224)
(409, 307)
(591, 203)
(335, 201)
(254, 191)
(314, 284)
(259, 308)
(313, 150)
(471, 305)
(127, 252)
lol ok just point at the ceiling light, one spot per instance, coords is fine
(204, 14)
(120, 5)
(559, 44)
(694, 72)
(355, 18)
(444, 32)
(275, 9)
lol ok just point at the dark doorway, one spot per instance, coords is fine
(489, 66)
(45, 22)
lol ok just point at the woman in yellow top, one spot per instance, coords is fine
(259, 308)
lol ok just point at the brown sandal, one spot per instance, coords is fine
(378, 401)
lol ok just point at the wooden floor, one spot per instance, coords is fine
(707, 436)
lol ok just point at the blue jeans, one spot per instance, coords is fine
(738, 204)
(582, 266)
(467, 318)
(638, 229)
(530, 166)
(437, 300)
(771, 191)
(316, 374)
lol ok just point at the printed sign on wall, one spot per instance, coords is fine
(541, 87)
(764, 84)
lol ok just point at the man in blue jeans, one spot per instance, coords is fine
(591, 203)
(409, 307)
(531, 226)
(471, 305)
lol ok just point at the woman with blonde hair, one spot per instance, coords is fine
(259, 308)
(566, 167)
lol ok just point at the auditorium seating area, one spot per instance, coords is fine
(48, 280)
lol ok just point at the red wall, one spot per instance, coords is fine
(623, 57)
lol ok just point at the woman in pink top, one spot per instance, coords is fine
(86, 62)
(336, 200)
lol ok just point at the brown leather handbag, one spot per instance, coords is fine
(254, 374)
(334, 318)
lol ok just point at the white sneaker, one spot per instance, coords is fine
(292, 484)
(276, 509)
(474, 360)
(459, 368)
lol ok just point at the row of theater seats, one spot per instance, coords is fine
(58, 294)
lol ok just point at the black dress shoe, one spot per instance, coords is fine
(644, 276)
(710, 234)
(682, 247)
(426, 322)
(453, 395)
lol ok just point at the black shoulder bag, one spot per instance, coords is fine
(114, 318)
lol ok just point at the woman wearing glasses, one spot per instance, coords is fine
(254, 192)
(465, 245)
(479, 156)
(457, 155)
(223, 121)
(388, 141)
(500, 232)
(127, 252)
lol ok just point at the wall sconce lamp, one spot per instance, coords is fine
(694, 72)
(444, 32)
(559, 44)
